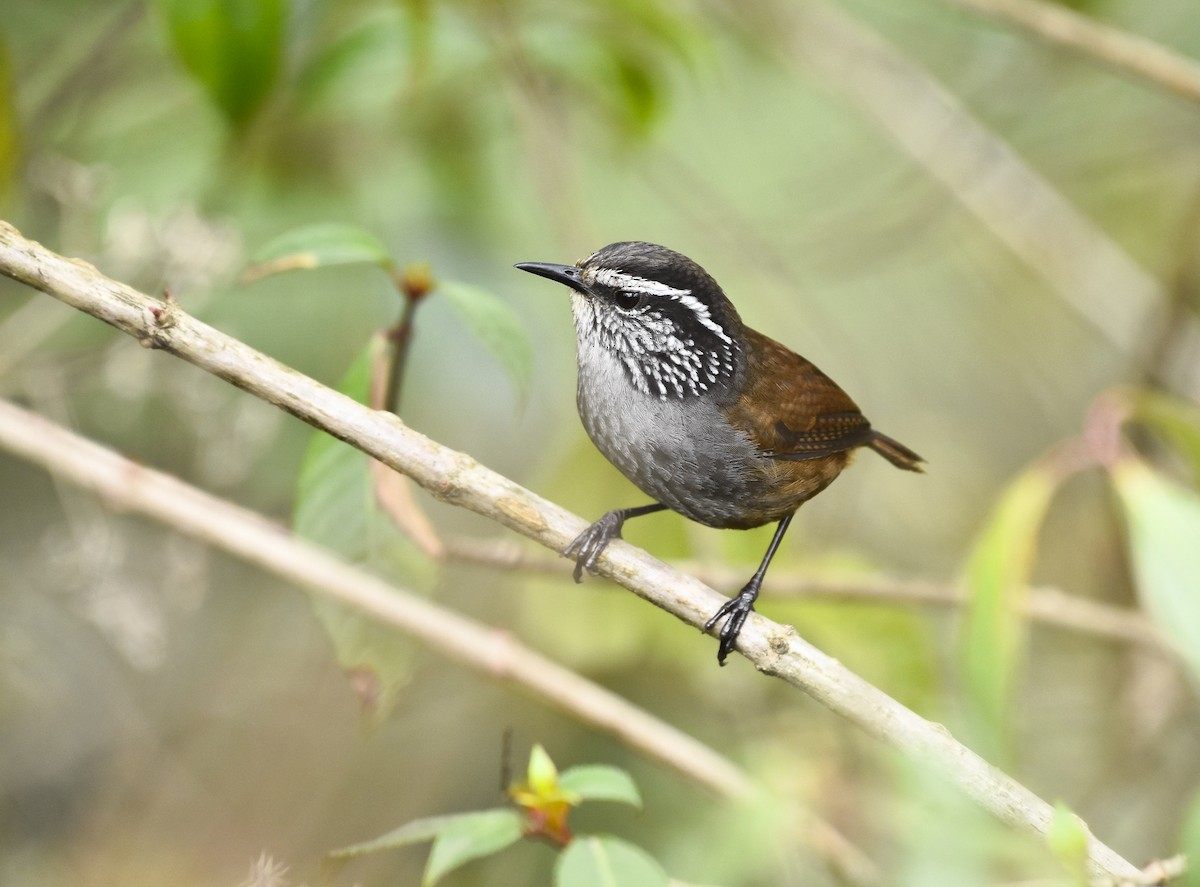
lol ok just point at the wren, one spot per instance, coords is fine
(707, 416)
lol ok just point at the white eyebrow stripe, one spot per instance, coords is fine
(632, 284)
(702, 315)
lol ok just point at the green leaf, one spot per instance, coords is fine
(336, 508)
(333, 492)
(1163, 525)
(600, 782)
(415, 832)
(996, 579)
(359, 71)
(9, 128)
(605, 861)
(1176, 419)
(1068, 840)
(1189, 844)
(497, 327)
(233, 47)
(457, 839)
(470, 836)
(637, 89)
(318, 246)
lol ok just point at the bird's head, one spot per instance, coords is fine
(656, 311)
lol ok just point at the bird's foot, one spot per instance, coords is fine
(590, 544)
(734, 611)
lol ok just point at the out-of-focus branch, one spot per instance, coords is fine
(1123, 52)
(1050, 606)
(125, 485)
(1089, 271)
(458, 479)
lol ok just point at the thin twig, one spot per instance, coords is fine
(1050, 606)
(460, 480)
(1119, 50)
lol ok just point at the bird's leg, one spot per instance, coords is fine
(738, 607)
(589, 544)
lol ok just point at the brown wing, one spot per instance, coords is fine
(791, 409)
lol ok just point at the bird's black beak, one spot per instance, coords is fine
(568, 274)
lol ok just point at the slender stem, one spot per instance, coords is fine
(400, 339)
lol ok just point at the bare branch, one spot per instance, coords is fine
(457, 478)
(1050, 606)
(1123, 52)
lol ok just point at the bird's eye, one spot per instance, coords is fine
(628, 301)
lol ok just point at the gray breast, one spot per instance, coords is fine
(680, 452)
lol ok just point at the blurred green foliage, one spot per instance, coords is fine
(233, 47)
(167, 715)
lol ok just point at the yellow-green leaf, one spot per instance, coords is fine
(1068, 840)
(318, 246)
(542, 776)
(996, 579)
(1189, 844)
(9, 129)
(1163, 524)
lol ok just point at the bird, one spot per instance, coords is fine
(707, 416)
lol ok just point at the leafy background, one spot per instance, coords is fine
(167, 714)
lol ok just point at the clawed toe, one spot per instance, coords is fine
(587, 547)
(734, 611)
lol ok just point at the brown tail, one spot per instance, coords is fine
(896, 453)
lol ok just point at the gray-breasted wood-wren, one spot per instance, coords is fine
(709, 417)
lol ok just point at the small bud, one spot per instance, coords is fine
(545, 803)
(416, 281)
